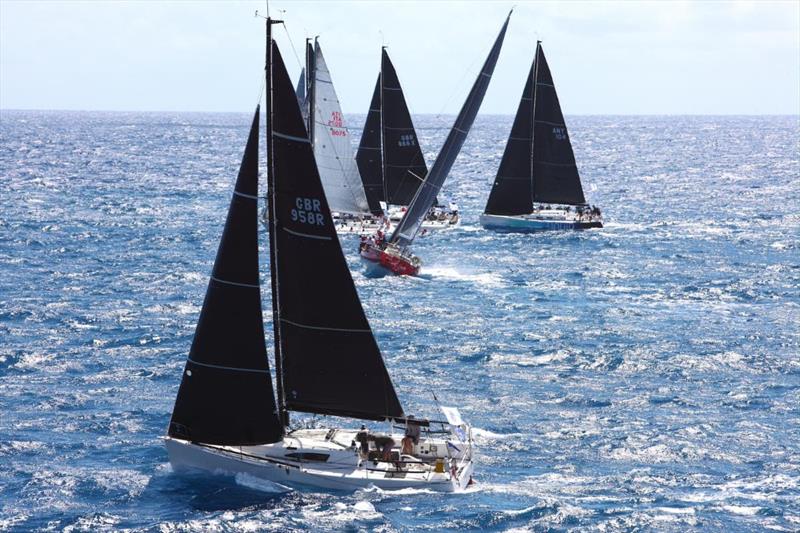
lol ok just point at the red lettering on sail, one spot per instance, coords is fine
(336, 124)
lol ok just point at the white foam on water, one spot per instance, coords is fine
(741, 509)
(261, 485)
(485, 434)
(483, 279)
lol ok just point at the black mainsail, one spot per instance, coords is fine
(425, 197)
(226, 395)
(330, 362)
(404, 165)
(538, 163)
(389, 157)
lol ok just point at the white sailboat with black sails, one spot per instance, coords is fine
(394, 254)
(226, 417)
(537, 185)
(390, 158)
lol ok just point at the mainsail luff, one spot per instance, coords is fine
(226, 394)
(308, 107)
(411, 222)
(301, 88)
(555, 173)
(283, 414)
(403, 162)
(331, 141)
(331, 363)
(370, 154)
(512, 192)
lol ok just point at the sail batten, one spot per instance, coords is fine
(423, 200)
(331, 363)
(226, 395)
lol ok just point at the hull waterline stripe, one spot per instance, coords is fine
(305, 326)
(235, 284)
(318, 237)
(233, 368)
(290, 137)
(243, 195)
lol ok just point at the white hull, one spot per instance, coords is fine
(538, 222)
(343, 470)
(370, 226)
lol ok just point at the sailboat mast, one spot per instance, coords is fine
(533, 113)
(283, 415)
(383, 144)
(311, 89)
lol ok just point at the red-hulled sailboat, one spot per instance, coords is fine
(394, 254)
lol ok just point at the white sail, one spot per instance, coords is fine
(332, 148)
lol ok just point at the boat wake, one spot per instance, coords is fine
(484, 279)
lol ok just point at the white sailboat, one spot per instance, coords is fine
(226, 418)
(537, 185)
(390, 158)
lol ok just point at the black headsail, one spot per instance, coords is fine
(426, 194)
(226, 393)
(330, 362)
(555, 174)
(369, 157)
(403, 162)
(512, 192)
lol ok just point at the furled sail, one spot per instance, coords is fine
(369, 157)
(404, 164)
(332, 148)
(512, 192)
(330, 362)
(226, 394)
(555, 174)
(426, 194)
(309, 81)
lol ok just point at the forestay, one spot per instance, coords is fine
(332, 148)
(426, 195)
(330, 361)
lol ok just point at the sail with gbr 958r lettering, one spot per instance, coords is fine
(330, 361)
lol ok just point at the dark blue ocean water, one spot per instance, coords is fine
(644, 376)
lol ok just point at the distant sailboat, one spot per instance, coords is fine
(394, 254)
(537, 185)
(389, 155)
(226, 418)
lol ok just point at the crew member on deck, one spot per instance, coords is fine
(412, 435)
(384, 443)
